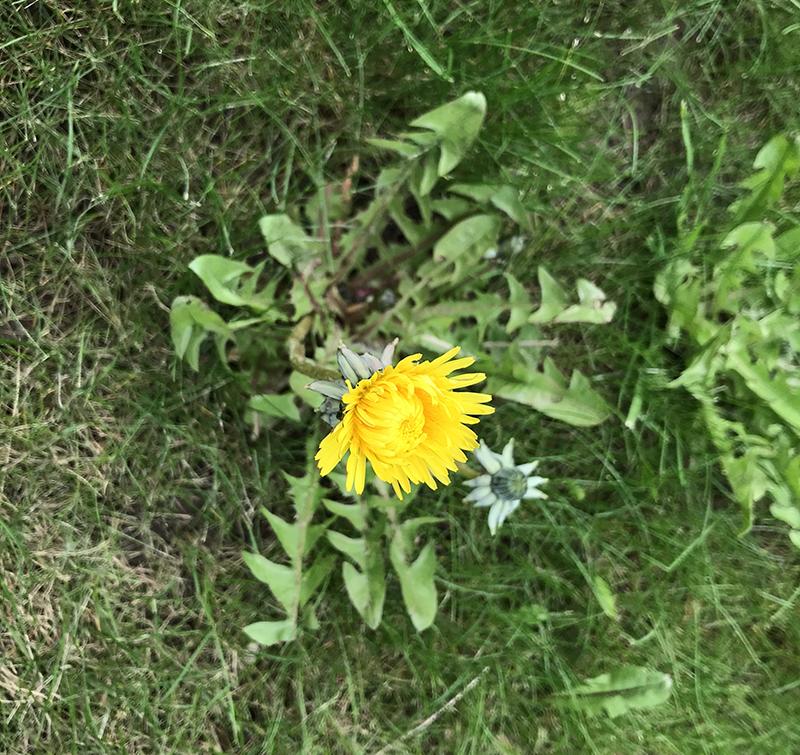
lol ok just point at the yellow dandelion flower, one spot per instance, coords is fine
(409, 421)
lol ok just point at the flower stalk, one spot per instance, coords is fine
(295, 345)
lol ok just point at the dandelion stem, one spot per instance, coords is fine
(295, 345)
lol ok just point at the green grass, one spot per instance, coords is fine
(136, 135)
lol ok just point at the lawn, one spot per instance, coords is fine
(136, 135)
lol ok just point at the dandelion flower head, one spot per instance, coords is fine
(410, 421)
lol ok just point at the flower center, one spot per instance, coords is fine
(410, 432)
(509, 484)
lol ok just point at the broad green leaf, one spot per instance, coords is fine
(425, 139)
(593, 307)
(219, 274)
(794, 536)
(309, 619)
(774, 390)
(555, 307)
(389, 179)
(519, 304)
(747, 241)
(326, 206)
(413, 232)
(249, 283)
(457, 124)
(418, 587)
(788, 244)
(429, 175)
(786, 513)
(588, 293)
(313, 533)
(438, 320)
(287, 242)
(480, 193)
(340, 480)
(451, 208)
(504, 198)
(181, 324)
(275, 405)
(487, 308)
(408, 529)
(749, 238)
(470, 239)
(620, 691)
(288, 535)
(190, 323)
(417, 182)
(605, 597)
(314, 576)
(581, 405)
(404, 149)
(577, 403)
(350, 511)
(551, 371)
(791, 473)
(201, 315)
(554, 298)
(299, 298)
(237, 325)
(367, 591)
(285, 532)
(679, 288)
(271, 632)
(776, 160)
(193, 348)
(698, 378)
(279, 578)
(355, 548)
(232, 282)
(744, 470)
(787, 290)
(367, 588)
(357, 587)
(748, 481)
(306, 493)
(538, 391)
